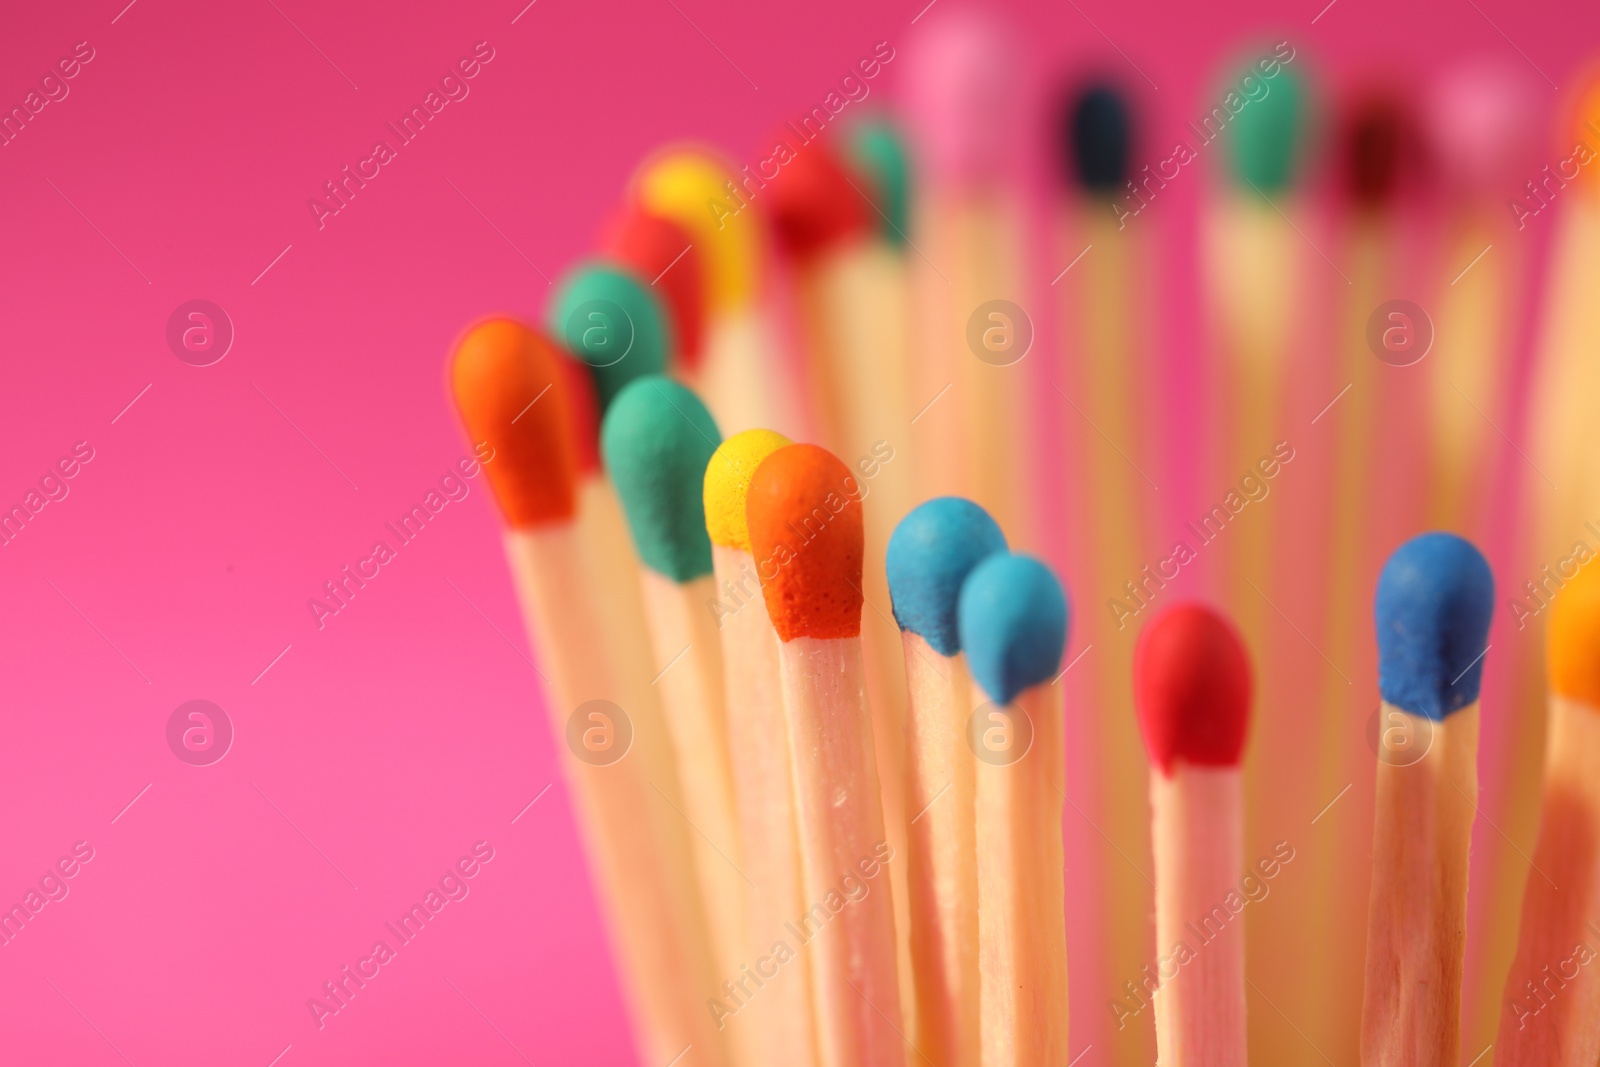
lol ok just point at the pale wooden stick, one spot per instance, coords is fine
(1551, 1011)
(1416, 932)
(840, 820)
(1022, 941)
(780, 1015)
(942, 856)
(638, 849)
(1197, 825)
(688, 659)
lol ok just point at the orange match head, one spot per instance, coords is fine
(500, 373)
(1585, 129)
(804, 513)
(1574, 645)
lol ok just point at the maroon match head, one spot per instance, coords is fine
(1192, 689)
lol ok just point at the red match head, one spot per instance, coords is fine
(1192, 689)
(655, 247)
(816, 203)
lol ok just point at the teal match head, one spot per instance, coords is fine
(1435, 599)
(878, 151)
(1266, 139)
(930, 555)
(1012, 615)
(614, 323)
(657, 438)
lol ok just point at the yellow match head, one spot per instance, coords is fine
(727, 484)
(697, 190)
(1574, 642)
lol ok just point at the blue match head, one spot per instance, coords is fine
(1013, 623)
(1435, 599)
(930, 554)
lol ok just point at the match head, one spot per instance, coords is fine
(1586, 129)
(878, 150)
(1267, 139)
(657, 438)
(1573, 652)
(1485, 133)
(1012, 614)
(804, 514)
(1380, 150)
(660, 251)
(692, 187)
(727, 484)
(964, 98)
(1097, 138)
(583, 413)
(1434, 603)
(499, 370)
(612, 322)
(930, 555)
(813, 202)
(1192, 689)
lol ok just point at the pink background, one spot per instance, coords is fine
(407, 729)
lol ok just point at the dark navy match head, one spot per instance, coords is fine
(1435, 599)
(1013, 621)
(1097, 138)
(930, 554)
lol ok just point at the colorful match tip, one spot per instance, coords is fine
(1484, 132)
(1574, 647)
(583, 413)
(727, 484)
(1192, 689)
(964, 98)
(930, 554)
(1012, 615)
(1380, 148)
(661, 250)
(1097, 138)
(814, 203)
(1435, 598)
(804, 514)
(499, 370)
(613, 322)
(1267, 137)
(1586, 129)
(657, 438)
(700, 193)
(878, 150)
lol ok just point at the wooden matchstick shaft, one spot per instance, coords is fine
(1416, 932)
(849, 922)
(942, 855)
(1022, 944)
(638, 849)
(1197, 826)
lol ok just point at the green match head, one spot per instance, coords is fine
(1268, 135)
(657, 439)
(614, 323)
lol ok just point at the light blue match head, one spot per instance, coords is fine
(1013, 622)
(1435, 599)
(930, 554)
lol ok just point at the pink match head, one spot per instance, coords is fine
(964, 98)
(1485, 128)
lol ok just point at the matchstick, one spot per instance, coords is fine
(744, 376)
(657, 438)
(851, 289)
(930, 554)
(1192, 678)
(1012, 616)
(1434, 600)
(638, 852)
(806, 533)
(777, 1009)
(1550, 1011)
